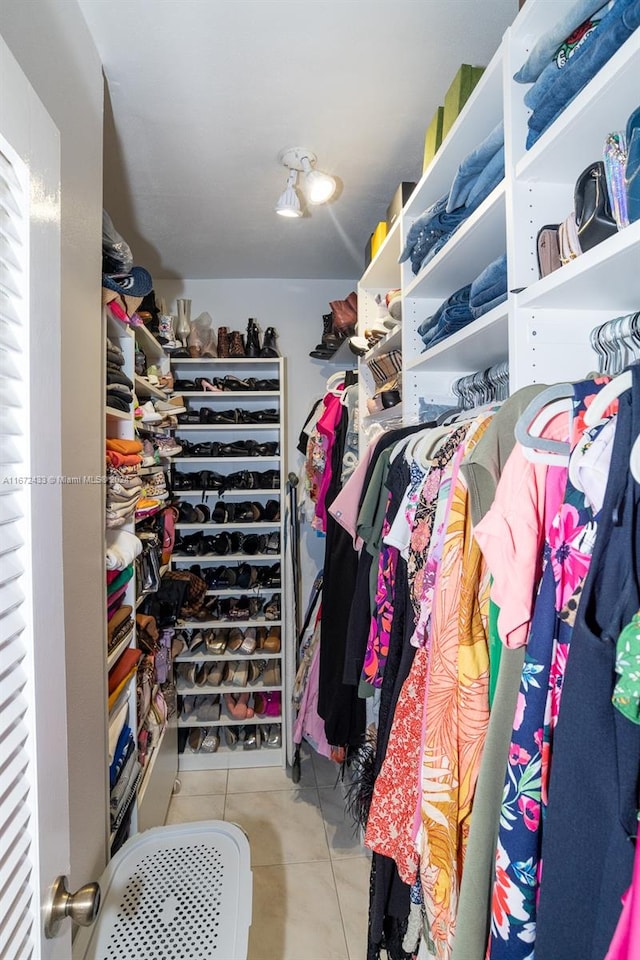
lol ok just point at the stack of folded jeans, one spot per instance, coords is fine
(569, 56)
(119, 386)
(489, 288)
(478, 174)
(452, 315)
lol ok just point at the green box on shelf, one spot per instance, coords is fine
(433, 138)
(458, 93)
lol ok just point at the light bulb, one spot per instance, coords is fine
(289, 205)
(319, 187)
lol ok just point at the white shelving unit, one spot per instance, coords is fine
(252, 400)
(543, 328)
(153, 790)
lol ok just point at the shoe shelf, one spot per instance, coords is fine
(112, 414)
(244, 493)
(222, 361)
(212, 691)
(392, 341)
(252, 591)
(225, 426)
(226, 394)
(257, 525)
(227, 721)
(227, 655)
(152, 349)
(226, 624)
(146, 389)
(217, 557)
(179, 459)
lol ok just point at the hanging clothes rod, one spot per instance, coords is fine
(485, 386)
(617, 343)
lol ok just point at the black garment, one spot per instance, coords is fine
(338, 704)
(360, 615)
(587, 848)
(118, 402)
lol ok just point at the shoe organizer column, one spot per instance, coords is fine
(230, 478)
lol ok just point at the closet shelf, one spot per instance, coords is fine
(601, 107)
(226, 557)
(232, 427)
(605, 277)
(479, 345)
(480, 114)
(226, 395)
(230, 525)
(384, 270)
(255, 590)
(223, 361)
(384, 416)
(343, 357)
(393, 341)
(119, 649)
(145, 389)
(479, 240)
(149, 764)
(207, 690)
(152, 349)
(229, 722)
(247, 460)
(226, 624)
(116, 328)
(113, 414)
(227, 655)
(244, 493)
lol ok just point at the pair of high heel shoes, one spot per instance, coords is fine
(228, 417)
(230, 384)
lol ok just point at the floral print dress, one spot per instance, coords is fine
(567, 556)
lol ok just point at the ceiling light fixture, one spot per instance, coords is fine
(318, 186)
(289, 204)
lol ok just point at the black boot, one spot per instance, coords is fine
(252, 340)
(329, 342)
(269, 346)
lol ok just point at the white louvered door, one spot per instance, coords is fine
(34, 820)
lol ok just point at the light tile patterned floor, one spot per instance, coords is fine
(310, 872)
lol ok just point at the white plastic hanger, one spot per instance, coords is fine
(614, 389)
(334, 379)
(634, 459)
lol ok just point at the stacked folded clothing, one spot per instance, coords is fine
(566, 58)
(120, 625)
(452, 315)
(124, 484)
(122, 549)
(119, 386)
(489, 289)
(478, 174)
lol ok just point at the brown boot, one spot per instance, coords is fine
(236, 344)
(223, 341)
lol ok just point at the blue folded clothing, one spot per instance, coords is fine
(487, 181)
(548, 44)
(490, 283)
(473, 166)
(599, 46)
(433, 224)
(452, 315)
(482, 308)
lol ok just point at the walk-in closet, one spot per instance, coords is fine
(320, 480)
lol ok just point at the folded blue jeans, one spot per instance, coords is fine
(429, 227)
(454, 314)
(487, 180)
(549, 42)
(615, 28)
(491, 282)
(479, 309)
(472, 167)
(459, 298)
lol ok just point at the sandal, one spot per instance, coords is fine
(272, 609)
(195, 738)
(216, 642)
(249, 643)
(238, 706)
(206, 386)
(210, 742)
(234, 642)
(272, 641)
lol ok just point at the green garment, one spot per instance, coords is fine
(495, 650)
(626, 694)
(123, 577)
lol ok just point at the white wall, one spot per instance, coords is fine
(295, 309)
(52, 44)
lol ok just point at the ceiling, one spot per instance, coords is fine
(204, 94)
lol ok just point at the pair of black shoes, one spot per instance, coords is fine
(245, 511)
(240, 480)
(245, 576)
(228, 417)
(221, 544)
(240, 448)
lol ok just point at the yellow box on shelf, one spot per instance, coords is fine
(377, 237)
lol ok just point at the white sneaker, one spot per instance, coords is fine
(148, 413)
(173, 406)
(168, 448)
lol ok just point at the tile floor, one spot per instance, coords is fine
(310, 873)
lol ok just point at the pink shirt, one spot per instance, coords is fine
(344, 508)
(511, 535)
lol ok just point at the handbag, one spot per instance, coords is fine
(548, 249)
(568, 241)
(594, 218)
(615, 159)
